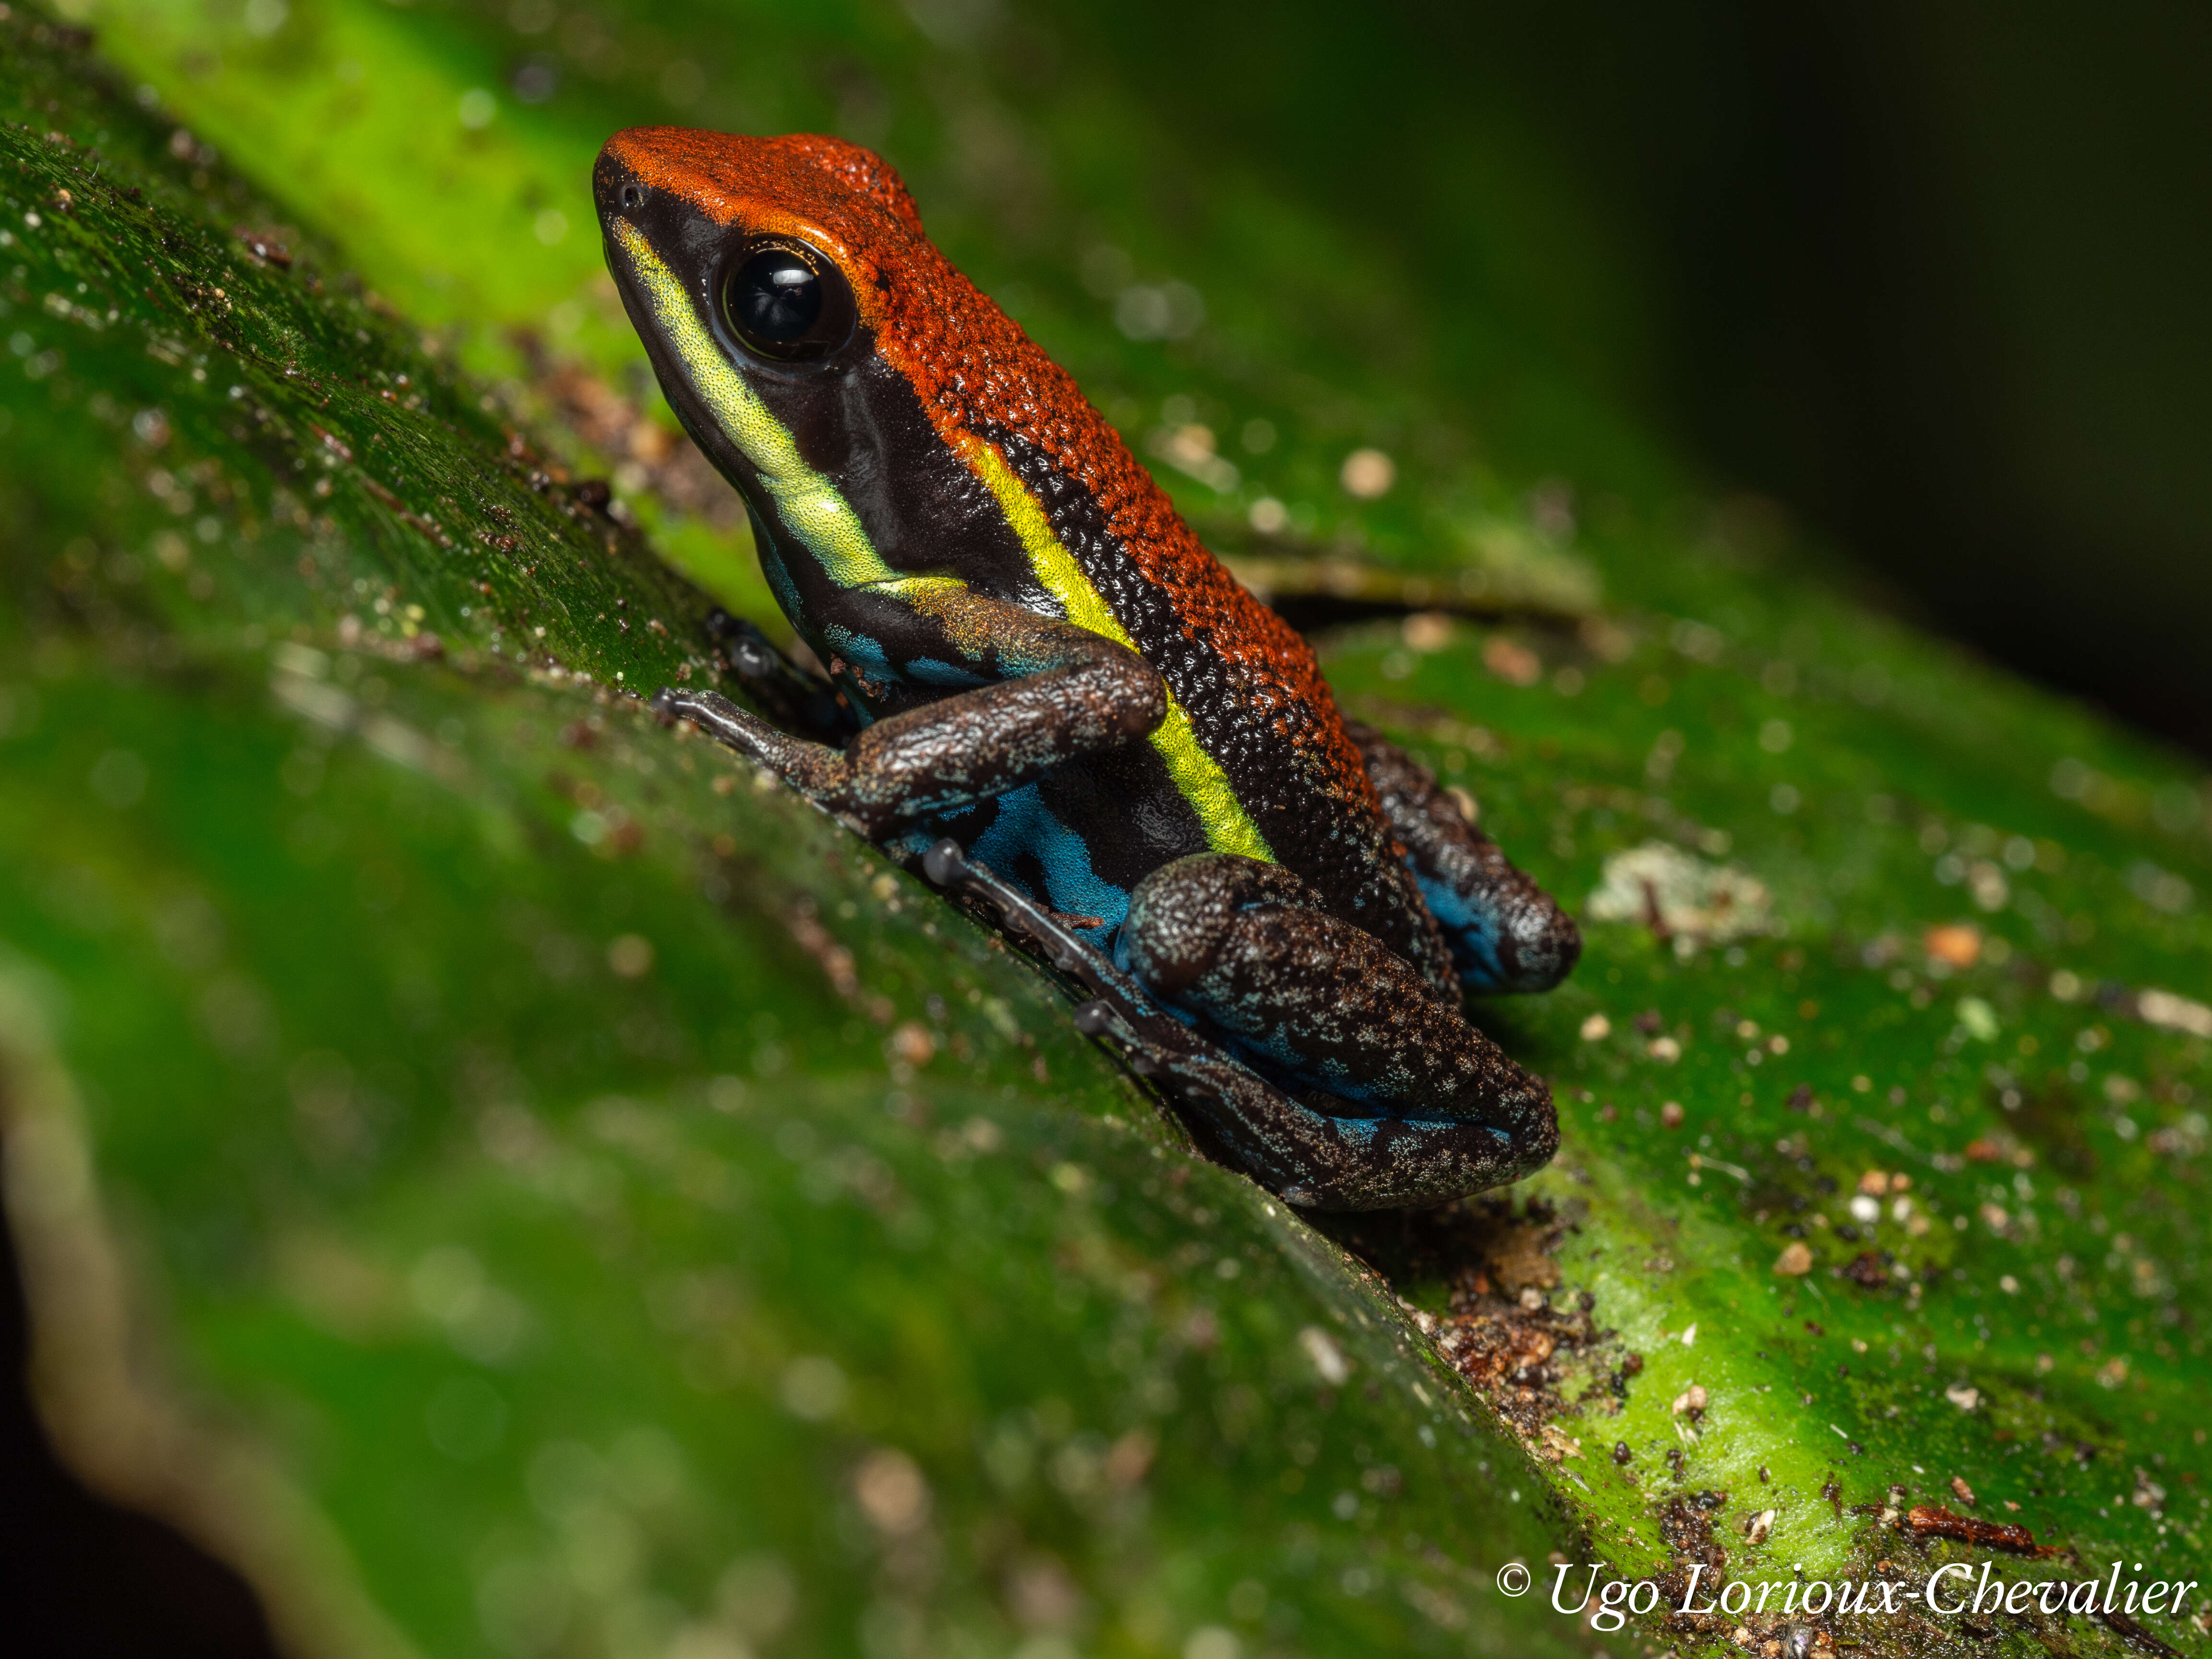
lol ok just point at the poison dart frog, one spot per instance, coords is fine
(1053, 698)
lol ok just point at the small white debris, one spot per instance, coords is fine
(814, 1387)
(1678, 895)
(892, 1492)
(1756, 1527)
(2174, 1013)
(1368, 474)
(1328, 1358)
(1964, 1398)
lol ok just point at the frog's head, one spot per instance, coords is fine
(781, 286)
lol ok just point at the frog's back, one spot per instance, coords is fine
(1253, 745)
(1013, 482)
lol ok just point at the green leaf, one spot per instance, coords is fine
(518, 1185)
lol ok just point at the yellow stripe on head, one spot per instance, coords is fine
(819, 518)
(811, 507)
(1229, 827)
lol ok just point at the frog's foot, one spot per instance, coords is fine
(789, 695)
(793, 759)
(950, 867)
(1505, 933)
(820, 774)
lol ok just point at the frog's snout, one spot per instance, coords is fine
(616, 190)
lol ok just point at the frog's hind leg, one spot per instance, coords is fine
(1309, 1157)
(1313, 1158)
(1506, 933)
(1416, 1105)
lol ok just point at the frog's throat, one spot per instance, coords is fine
(819, 517)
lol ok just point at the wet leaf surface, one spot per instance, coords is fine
(617, 1210)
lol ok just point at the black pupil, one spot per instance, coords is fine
(775, 297)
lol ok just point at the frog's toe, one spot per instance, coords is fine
(1537, 942)
(945, 863)
(704, 709)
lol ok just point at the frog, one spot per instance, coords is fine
(1032, 681)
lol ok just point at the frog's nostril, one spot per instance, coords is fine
(633, 196)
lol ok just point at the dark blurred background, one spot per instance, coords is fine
(83, 1579)
(1933, 276)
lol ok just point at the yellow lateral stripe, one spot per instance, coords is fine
(810, 507)
(818, 515)
(1229, 827)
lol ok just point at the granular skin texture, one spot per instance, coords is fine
(1063, 700)
(1257, 702)
(1521, 940)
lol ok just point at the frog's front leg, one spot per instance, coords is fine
(1506, 933)
(1404, 1102)
(1050, 692)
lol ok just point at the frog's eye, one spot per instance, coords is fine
(787, 303)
